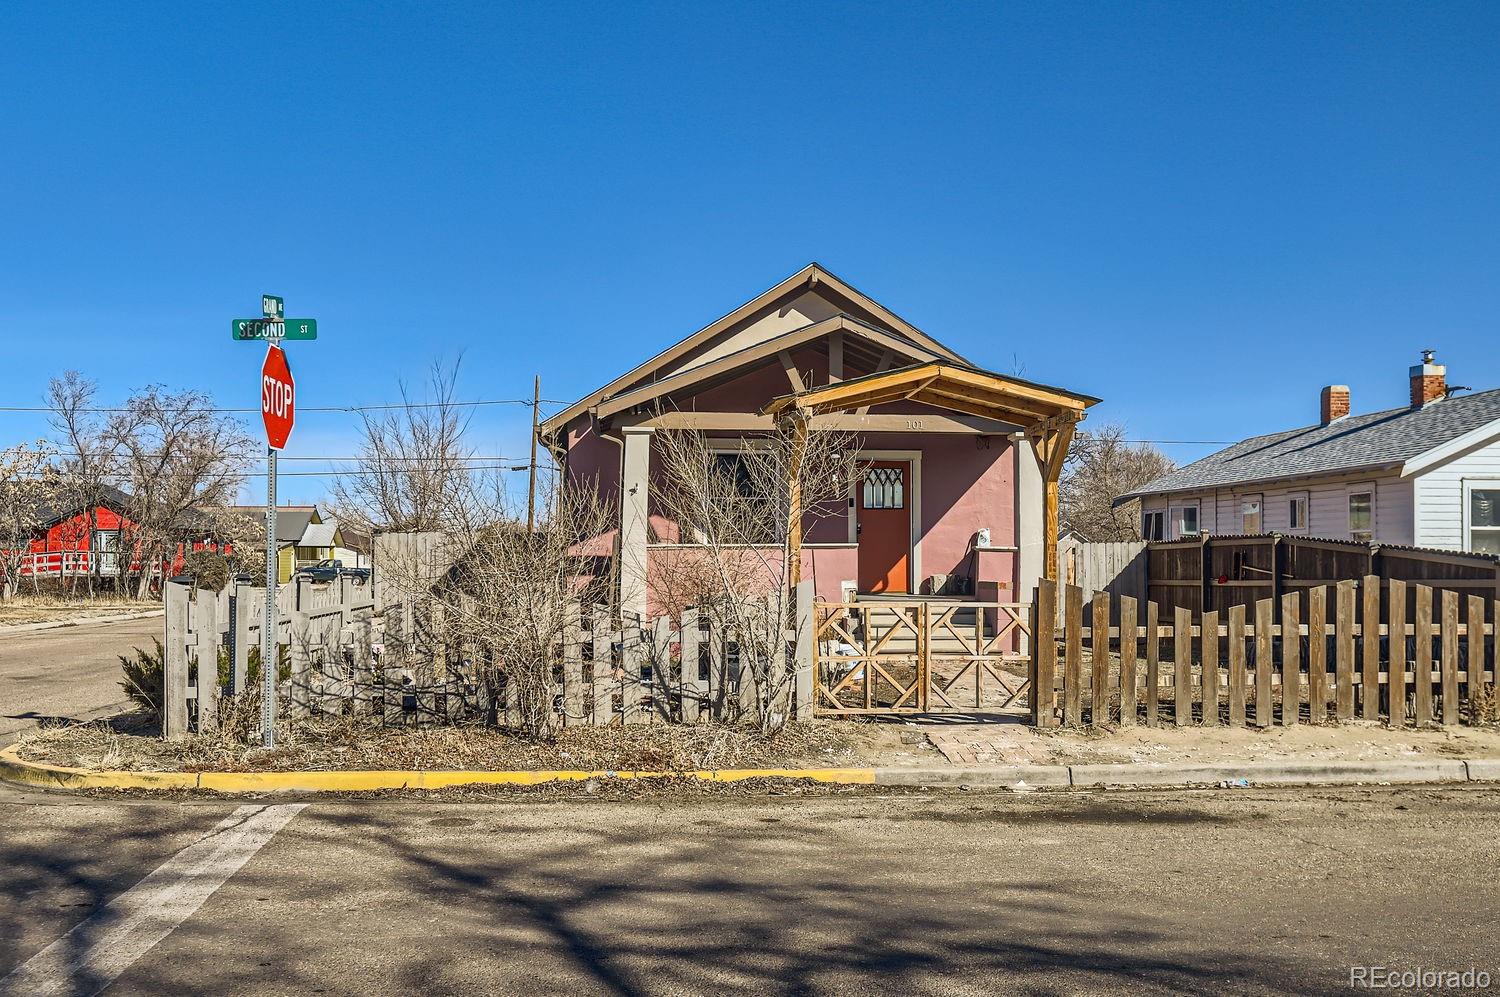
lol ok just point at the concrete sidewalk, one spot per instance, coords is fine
(78, 621)
(1184, 776)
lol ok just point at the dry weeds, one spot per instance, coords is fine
(52, 608)
(350, 743)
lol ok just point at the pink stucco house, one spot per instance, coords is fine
(962, 463)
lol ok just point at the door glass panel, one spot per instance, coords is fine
(884, 488)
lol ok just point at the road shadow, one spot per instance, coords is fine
(758, 905)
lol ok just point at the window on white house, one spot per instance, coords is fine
(1484, 520)
(1250, 517)
(1184, 520)
(1151, 524)
(1362, 516)
(1296, 513)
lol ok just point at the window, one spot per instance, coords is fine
(1151, 524)
(1484, 518)
(1362, 516)
(735, 474)
(1296, 513)
(1250, 520)
(1184, 520)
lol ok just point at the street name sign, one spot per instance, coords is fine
(277, 398)
(254, 329)
(271, 306)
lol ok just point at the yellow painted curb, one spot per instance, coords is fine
(14, 769)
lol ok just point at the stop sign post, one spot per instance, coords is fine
(278, 410)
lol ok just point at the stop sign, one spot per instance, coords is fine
(277, 397)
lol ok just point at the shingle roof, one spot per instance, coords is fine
(109, 497)
(1355, 442)
(291, 520)
(318, 535)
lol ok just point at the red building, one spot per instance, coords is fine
(75, 541)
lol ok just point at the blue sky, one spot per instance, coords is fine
(1200, 212)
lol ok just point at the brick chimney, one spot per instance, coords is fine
(1334, 402)
(1429, 381)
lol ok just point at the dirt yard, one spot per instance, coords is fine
(127, 744)
(56, 609)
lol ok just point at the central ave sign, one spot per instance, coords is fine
(277, 398)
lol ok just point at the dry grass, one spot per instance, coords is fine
(348, 743)
(49, 608)
(1484, 706)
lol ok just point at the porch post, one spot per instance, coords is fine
(799, 421)
(635, 493)
(1050, 439)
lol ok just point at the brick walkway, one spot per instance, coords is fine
(987, 744)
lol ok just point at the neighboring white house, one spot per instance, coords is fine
(1426, 475)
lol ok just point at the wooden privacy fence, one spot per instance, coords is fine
(916, 657)
(1216, 572)
(1117, 567)
(1409, 659)
(405, 665)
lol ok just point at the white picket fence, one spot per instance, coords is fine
(396, 663)
(315, 621)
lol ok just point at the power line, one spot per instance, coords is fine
(334, 472)
(311, 408)
(357, 458)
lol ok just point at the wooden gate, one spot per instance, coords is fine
(920, 656)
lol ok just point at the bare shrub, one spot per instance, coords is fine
(735, 510)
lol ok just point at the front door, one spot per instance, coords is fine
(884, 527)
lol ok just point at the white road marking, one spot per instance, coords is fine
(101, 947)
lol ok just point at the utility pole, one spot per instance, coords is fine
(536, 404)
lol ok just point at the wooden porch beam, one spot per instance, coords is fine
(793, 375)
(879, 422)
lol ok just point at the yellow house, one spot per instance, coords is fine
(302, 537)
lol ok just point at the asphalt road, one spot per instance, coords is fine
(67, 672)
(1205, 892)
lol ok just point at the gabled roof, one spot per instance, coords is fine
(768, 348)
(1395, 438)
(318, 535)
(292, 521)
(110, 497)
(811, 276)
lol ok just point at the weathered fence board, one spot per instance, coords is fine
(1210, 659)
(1236, 666)
(1370, 652)
(1129, 635)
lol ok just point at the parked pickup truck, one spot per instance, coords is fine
(330, 569)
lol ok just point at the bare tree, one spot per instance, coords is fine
(413, 461)
(243, 534)
(1101, 467)
(735, 509)
(28, 488)
(88, 457)
(177, 456)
